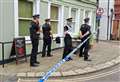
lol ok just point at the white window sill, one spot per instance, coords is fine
(29, 41)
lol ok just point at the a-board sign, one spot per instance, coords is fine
(18, 48)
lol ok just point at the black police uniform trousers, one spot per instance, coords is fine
(84, 49)
(68, 46)
(66, 51)
(35, 43)
(47, 44)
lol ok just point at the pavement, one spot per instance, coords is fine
(115, 77)
(103, 55)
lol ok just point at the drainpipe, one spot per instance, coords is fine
(97, 25)
(108, 21)
(111, 24)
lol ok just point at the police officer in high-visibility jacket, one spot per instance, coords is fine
(34, 36)
(84, 34)
(67, 39)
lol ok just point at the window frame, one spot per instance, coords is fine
(35, 10)
(57, 20)
(74, 19)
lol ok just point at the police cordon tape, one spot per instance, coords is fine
(62, 61)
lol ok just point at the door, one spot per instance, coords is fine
(115, 29)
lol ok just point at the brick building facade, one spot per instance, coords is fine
(116, 21)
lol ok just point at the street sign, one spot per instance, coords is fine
(100, 11)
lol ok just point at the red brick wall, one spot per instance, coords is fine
(117, 2)
(117, 9)
(116, 21)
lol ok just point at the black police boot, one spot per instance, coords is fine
(49, 55)
(37, 62)
(70, 58)
(43, 55)
(86, 59)
(33, 65)
(80, 55)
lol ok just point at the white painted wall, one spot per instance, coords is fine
(104, 19)
(9, 19)
(6, 25)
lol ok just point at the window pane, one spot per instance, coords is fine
(24, 26)
(54, 26)
(73, 13)
(54, 16)
(73, 27)
(54, 12)
(87, 14)
(25, 9)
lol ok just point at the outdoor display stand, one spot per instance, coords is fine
(18, 49)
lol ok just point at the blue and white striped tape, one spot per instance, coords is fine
(56, 66)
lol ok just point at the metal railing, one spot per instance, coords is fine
(9, 42)
(3, 44)
(3, 50)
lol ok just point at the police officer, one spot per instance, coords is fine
(34, 36)
(69, 25)
(47, 38)
(67, 39)
(84, 34)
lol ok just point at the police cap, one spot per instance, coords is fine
(36, 16)
(69, 19)
(86, 19)
(48, 19)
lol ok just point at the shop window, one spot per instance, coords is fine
(87, 14)
(25, 16)
(54, 19)
(73, 15)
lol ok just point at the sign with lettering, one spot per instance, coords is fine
(19, 48)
